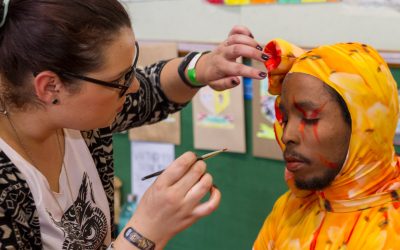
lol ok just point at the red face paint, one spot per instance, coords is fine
(302, 123)
(300, 109)
(316, 112)
(311, 115)
(301, 128)
(328, 163)
(314, 115)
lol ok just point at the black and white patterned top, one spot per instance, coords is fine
(19, 222)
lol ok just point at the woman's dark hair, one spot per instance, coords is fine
(342, 103)
(54, 35)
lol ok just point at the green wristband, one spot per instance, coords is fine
(192, 78)
(192, 71)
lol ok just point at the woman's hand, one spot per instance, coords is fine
(220, 68)
(172, 203)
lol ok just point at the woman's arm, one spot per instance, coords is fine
(218, 68)
(149, 104)
(162, 91)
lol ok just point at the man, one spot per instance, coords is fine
(337, 113)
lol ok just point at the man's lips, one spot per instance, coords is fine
(294, 166)
(294, 163)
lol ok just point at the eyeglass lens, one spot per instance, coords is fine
(129, 76)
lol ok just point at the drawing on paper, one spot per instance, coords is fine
(215, 103)
(267, 109)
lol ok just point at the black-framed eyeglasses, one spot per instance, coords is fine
(127, 78)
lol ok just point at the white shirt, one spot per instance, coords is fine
(91, 229)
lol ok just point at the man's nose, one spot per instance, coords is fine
(291, 132)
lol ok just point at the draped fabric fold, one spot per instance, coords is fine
(360, 209)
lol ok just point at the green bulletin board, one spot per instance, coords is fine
(249, 187)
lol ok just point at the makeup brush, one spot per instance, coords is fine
(200, 158)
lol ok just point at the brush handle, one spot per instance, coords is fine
(152, 175)
(200, 158)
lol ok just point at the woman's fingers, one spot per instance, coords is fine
(209, 206)
(236, 50)
(197, 193)
(225, 83)
(177, 169)
(191, 178)
(241, 39)
(220, 68)
(238, 29)
(231, 70)
(199, 190)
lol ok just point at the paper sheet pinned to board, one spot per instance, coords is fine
(263, 109)
(168, 130)
(147, 158)
(218, 119)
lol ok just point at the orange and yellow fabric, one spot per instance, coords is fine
(360, 210)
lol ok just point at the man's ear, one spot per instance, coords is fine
(47, 86)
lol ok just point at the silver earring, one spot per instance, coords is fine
(54, 101)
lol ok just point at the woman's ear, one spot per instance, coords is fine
(47, 86)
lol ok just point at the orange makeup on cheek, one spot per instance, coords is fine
(327, 163)
(304, 113)
(301, 128)
(315, 130)
(314, 115)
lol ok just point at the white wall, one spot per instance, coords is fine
(303, 24)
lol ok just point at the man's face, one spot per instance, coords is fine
(314, 131)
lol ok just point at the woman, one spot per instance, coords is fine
(68, 81)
